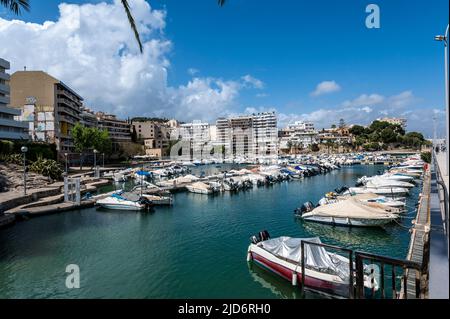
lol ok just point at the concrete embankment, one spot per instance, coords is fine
(48, 201)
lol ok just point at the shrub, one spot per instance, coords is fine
(6, 147)
(47, 167)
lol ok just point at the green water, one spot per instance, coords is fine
(195, 249)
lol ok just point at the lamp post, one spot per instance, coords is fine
(444, 38)
(95, 158)
(24, 150)
(66, 155)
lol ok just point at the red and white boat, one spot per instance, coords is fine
(324, 271)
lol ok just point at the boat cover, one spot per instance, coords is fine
(316, 257)
(352, 208)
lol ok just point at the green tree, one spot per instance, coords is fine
(86, 139)
(357, 130)
(134, 136)
(341, 123)
(388, 135)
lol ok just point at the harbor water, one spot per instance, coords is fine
(195, 249)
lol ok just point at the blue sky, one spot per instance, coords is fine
(292, 46)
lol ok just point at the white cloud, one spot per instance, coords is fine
(193, 71)
(365, 100)
(250, 81)
(93, 50)
(401, 100)
(326, 87)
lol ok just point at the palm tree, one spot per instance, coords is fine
(16, 7)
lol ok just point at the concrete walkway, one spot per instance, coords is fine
(439, 254)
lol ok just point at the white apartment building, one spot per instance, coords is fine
(249, 136)
(300, 134)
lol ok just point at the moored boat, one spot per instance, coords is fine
(124, 201)
(324, 271)
(350, 212)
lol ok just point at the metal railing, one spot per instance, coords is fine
(406, 266)
(357, 276)
(444, 192)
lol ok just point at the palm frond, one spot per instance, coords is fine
(126, 6)
(221, 2)
(16, 6)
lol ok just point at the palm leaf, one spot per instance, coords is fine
(126, 6)
(221, 2)
(16, 6)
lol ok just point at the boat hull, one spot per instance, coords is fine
(352, 222)
(287, 270)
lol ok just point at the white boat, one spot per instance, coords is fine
(200, 188)
(379, 182)
(350, 212)
(365, 198)
(124, 201)
(324, 271)
(385, 191)
(158, 199)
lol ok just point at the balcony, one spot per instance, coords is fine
(5, 76)
(13, 136)
(4, 89)
(4, 100)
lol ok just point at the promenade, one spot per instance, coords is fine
(439, 249)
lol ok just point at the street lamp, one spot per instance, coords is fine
(95, 158)
(444, 39)
(24, 150)
(66, 155)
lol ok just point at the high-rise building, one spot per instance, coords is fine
(250, 136)
(9, 128)
(50, 107)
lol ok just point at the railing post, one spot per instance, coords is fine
(359, 276)
(302, 245)
(351, 286)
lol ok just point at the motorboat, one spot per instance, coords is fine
(350, 212)
(379, 182)
(159, 199)
(385, 191)
(201, 188)
(367, 198)
(124, 201)
(324, 271)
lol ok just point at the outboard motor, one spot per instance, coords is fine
(342, 189)
(254, 240)
(264, 235)
(305, 208)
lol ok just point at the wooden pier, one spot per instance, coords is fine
(419, 245)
